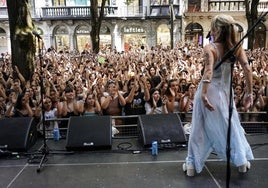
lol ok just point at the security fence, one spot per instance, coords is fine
(252, 122)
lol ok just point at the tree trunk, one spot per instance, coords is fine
(252, 16)
(22, 39)
(96, 19)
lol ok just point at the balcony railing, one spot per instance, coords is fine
(77, 12)
(3, 12)
(237, 5)
(115, 12)
(263, 6)
(218, 5)
(73, 12)
(81, 12)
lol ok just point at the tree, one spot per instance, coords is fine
(252, 16)
(22, 39)
(96, 19)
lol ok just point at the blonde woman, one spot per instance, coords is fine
(211, 103)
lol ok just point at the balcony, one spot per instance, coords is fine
(83, 12)
(218, 5)
(239, 5)
(76, 12)
(79, 12)
(124, 12)
(3, 13)
(263, 6)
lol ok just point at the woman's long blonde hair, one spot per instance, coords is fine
(226, 29)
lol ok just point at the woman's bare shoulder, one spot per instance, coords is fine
(209, 48)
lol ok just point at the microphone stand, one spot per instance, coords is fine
(230, 55)
(44, 151)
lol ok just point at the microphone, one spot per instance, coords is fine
(36, 34)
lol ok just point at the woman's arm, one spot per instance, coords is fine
(183, 103)
(78, 107)
(146, 90)
(97, 104)
(131, 94)
(243, 60)
(121, 98)
(209, 59)
(63, 108)
(105, 101)
(29, 109)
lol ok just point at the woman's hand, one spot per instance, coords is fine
(248, 102)
(207, 104)
(164, 100)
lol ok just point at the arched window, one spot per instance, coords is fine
(62, 38)
(3, 40)
(194, 33)
(105, 37)
(83, 39)
(260, 36)
(163, 35)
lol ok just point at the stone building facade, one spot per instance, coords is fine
(65, 24)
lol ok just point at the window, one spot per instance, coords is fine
(59, 2)
(194, 5)
(160, 2)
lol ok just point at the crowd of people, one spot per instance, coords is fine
(156, 80)
(140, 81)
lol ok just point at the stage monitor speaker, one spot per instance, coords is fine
(89, 133)
(166, 129)
(18, 133)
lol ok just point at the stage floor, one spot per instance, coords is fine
(123, 167)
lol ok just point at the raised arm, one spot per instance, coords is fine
(243, 60)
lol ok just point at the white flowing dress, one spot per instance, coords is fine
(209, 128)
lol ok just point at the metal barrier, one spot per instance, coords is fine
(49, 129)
(128, 126)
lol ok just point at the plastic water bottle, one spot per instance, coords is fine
(56, 134)
(154, 148)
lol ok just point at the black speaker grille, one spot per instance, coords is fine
(163, 128)
(17, 134)
(86, 133)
